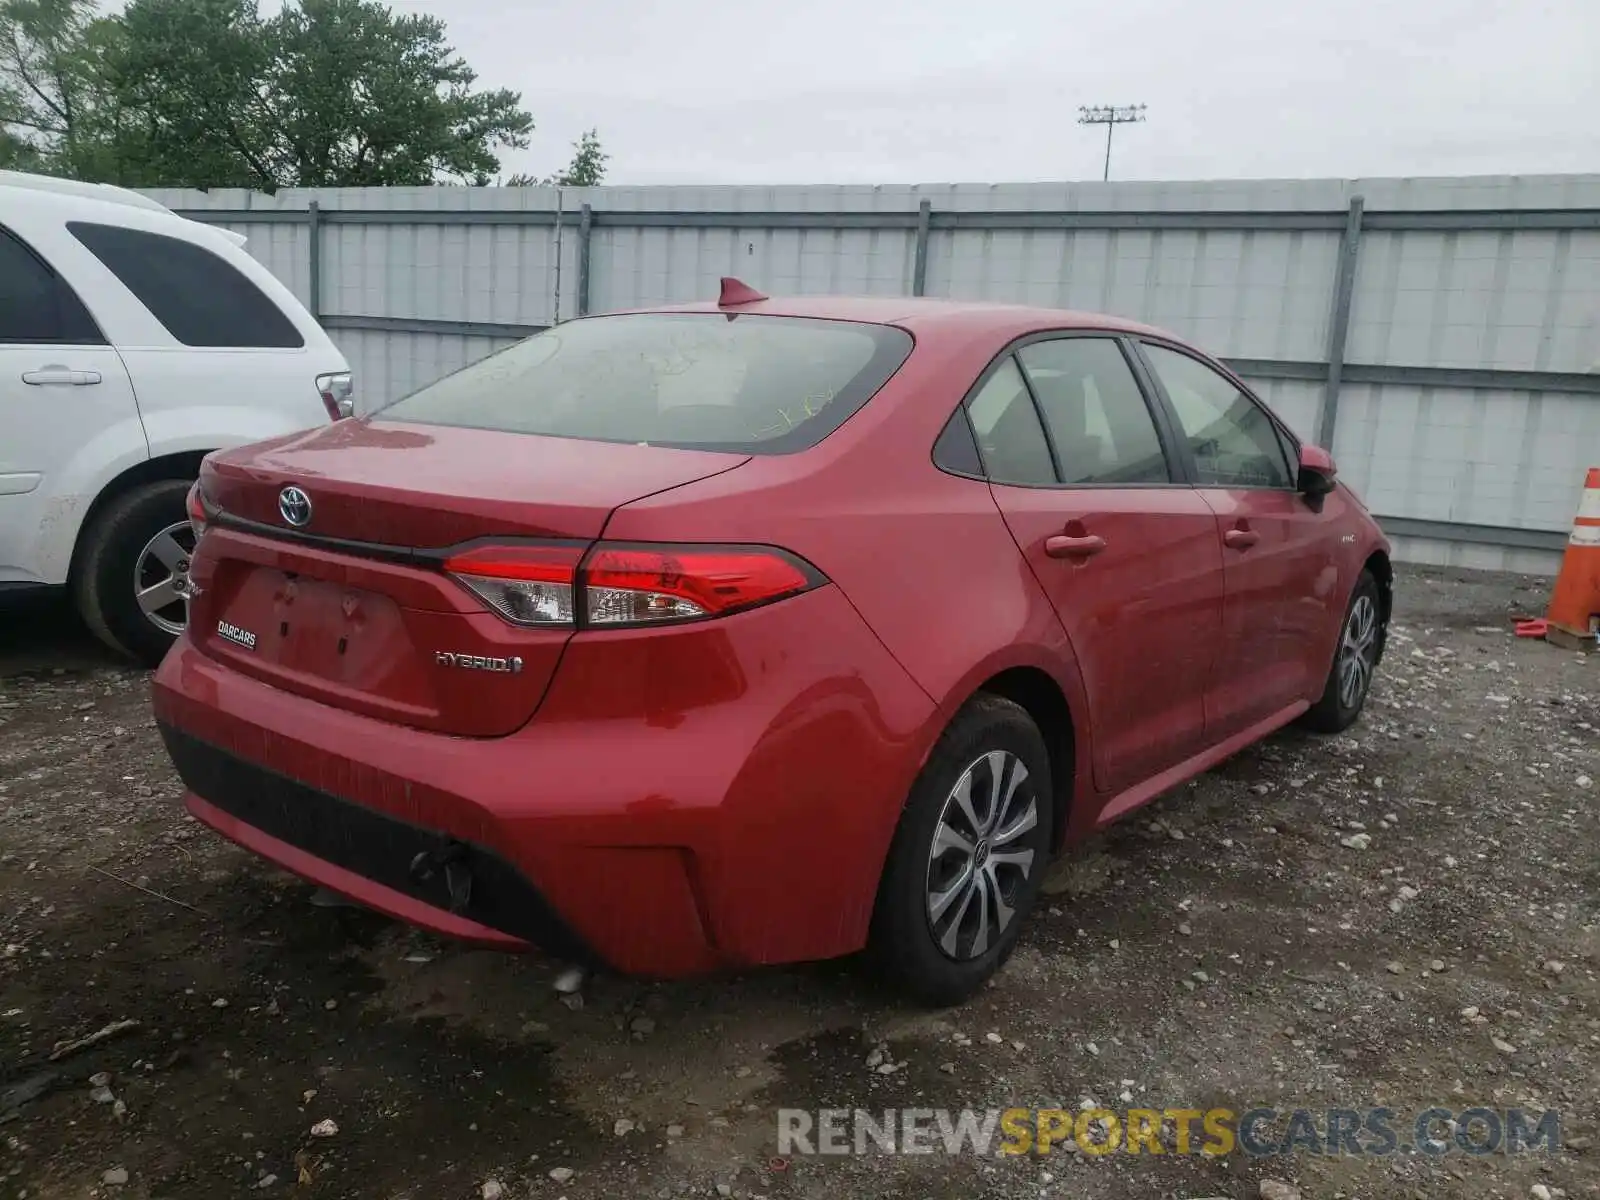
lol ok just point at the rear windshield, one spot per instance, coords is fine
(706, 381)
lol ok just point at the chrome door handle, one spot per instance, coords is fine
(59, 375)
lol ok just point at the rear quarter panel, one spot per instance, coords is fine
(182, 413)
(923, 556)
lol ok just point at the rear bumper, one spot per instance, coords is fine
(365, 854)
(712, 796)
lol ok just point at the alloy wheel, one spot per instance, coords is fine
(981, 855)
(1357, 649)
(160, 574)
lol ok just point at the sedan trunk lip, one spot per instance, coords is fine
(408, 556)
(215, 514)
(404, 555)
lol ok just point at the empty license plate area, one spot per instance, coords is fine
(300, 632)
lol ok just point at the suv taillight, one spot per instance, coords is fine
(197, 511)
(338, 395)
(614, 585)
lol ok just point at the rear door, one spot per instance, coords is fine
(1280, 561)
(66, 412)
(1124, 548)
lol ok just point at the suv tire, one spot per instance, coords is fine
(105, 584)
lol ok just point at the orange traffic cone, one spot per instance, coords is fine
(1574, 616)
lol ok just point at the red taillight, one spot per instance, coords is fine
(525, 584)
(628, 585)
(620, 585)
(197, 511)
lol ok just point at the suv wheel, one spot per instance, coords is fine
(130, 563)
(966, 861)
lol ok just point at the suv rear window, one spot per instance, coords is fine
(747, 383)
(201, 299)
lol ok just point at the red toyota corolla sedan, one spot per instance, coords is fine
(760, 631)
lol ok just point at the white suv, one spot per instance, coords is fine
(133, 342)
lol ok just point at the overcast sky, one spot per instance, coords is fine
(937, 91)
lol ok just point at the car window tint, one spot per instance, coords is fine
(751, 384)
(36, 305)
(1234, 442)
(1010, 438)
(1097, 416)
(955, 451)
(201, 299)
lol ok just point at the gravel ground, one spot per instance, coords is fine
(1402, 917)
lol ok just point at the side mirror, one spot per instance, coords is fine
(1317, 472)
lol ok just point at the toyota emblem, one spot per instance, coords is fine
(295, 506)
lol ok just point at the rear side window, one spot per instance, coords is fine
(955, 451)
(747, 383)
(36, 305)
(1010, 437)
(1099, 421)
(200, 298)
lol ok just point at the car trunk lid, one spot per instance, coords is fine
(348, 605)
(430, 486)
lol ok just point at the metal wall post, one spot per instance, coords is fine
(585, 226)
(919, 264)
(1344, 290)
(555, 300)
(314, 260)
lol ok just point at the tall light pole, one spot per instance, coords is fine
(1110, 115)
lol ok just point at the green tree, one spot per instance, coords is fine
(587, 168)
(588, 165)
(49, 88)
(192, 74)
(17, 154)
(363, 97)
(209, 93)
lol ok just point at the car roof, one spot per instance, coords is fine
(919, 314)
(72, 199)
(49, 189)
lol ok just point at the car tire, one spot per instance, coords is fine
(1354, 659)
(925, 937)
(113, 550)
